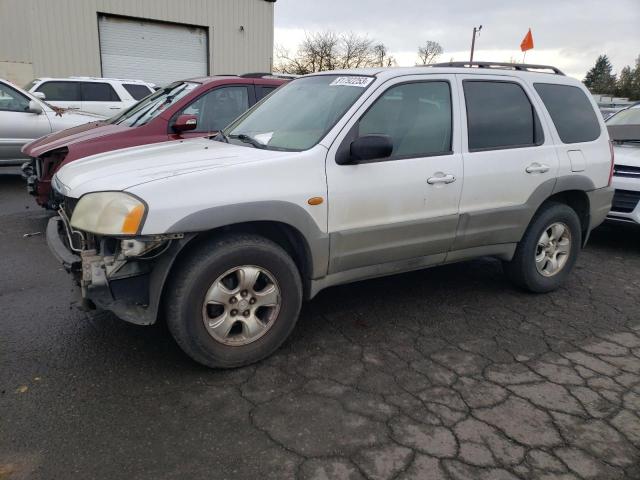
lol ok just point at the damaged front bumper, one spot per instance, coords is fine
(131, 288)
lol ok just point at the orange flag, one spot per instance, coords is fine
(527, 43)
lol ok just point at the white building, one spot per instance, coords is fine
(154, 40)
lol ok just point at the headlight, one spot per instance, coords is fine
(109, 213)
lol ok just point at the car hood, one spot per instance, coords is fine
(70, 136)
(627, 154)
(126, 168)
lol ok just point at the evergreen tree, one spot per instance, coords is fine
(600, 79)
(635, 81)
(624, 85)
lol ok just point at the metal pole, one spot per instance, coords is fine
(473, 40)
(473, 43)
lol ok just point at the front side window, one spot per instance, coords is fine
(219, 107)
(98, 92)
(146, 110)
(571, 112)
(60, 91)
(138, 92)
(500, 115)
(298, 115)
(11, 100)
(417, 117)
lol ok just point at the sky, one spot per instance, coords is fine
(569, 34)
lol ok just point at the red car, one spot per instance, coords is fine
(191, 108)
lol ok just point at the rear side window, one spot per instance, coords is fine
(60, 91)
(500, 115)
(138, 92)
(571, 112)
(98, 92)
(263, 91)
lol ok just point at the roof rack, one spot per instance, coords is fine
(128, 80)
(522, 67)
(268, 75)
(255, 75)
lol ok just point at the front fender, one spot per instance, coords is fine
(271, 211)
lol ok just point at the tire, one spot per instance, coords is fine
(523, 269)
(189, 317)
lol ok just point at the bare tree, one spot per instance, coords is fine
(322, 51)
(355, 51)
(429, 52)
(383, 59)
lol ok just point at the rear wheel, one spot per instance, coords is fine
(548, 250)
(234, 301)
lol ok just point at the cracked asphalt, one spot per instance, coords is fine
(447, 373)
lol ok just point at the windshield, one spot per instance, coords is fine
(296, 116)
(629, 116)
(150, 107)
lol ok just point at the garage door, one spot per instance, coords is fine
(152, 51)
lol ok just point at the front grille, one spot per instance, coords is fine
(69, 205)
(625, 171)
(625, 201)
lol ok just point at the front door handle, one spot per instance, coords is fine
(439, 178)
(537, 168)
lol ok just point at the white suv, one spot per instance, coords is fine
(336, 177)
(102, 96)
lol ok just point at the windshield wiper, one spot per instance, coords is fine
(250, 140)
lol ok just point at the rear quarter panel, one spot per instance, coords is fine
(588, 159)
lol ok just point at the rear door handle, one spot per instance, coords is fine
(439, 178)
(537, 168)
(114, 108)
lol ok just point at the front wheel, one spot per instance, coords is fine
(234, 300)
(548, 250)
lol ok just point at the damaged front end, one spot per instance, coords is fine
(124, 275)
(38, 173)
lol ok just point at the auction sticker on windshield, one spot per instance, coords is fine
(352, 81)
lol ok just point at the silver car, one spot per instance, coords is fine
(24, 118)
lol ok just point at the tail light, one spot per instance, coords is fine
(612, 163)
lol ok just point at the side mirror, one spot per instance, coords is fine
(185, 123)
(370, 147)
(39, 95)
(34, 107)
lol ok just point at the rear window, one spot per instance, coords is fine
(60, 91)
(571, 112)
(500, 115)
(98, 92)
(138, 92)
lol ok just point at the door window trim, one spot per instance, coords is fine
(539, 143)
(352, 134)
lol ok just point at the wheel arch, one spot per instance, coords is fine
(287, 236)
(579, 201)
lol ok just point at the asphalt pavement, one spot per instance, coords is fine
(446, 373)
